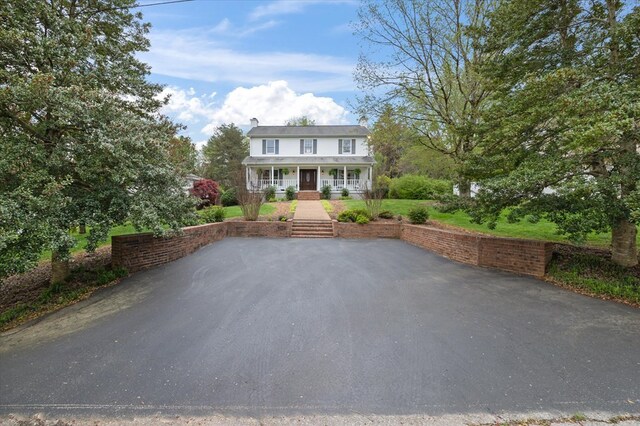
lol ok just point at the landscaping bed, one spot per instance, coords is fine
(590, 271)
(29, 295)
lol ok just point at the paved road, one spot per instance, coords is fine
(329, 326)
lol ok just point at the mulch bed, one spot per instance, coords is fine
(562, 254)
(27, 287)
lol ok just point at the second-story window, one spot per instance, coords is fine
(346, 146)
(271, 146)
(308, 146)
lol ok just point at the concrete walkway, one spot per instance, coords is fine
(310, 210)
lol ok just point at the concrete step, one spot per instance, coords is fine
(312, 236)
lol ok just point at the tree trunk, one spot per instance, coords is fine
(59, 268)
(82, 228)
(464, 188)
(624, 251)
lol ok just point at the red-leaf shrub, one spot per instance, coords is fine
(207, 190)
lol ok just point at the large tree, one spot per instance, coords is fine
(390, 139)
(562, 139)
(302, 120)
(223, 154)
(81, 137)
(425, 59)
(183, 155)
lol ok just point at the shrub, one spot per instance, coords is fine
(229, 198)
(362, 219)
(290, 193)
(207, 190)
(191, 219)
(386, 214)
(212, 214)
(414, 187)
(326, 192)
(270, 193)
(344, 192)
(345, 198)
(282, 218)
(352, 215)
(418, 215)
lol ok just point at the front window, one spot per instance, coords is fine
(346, 146)
(308, 146)
(271, 146)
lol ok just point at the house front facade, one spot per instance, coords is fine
(309, 157)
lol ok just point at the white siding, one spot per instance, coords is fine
(290, 147)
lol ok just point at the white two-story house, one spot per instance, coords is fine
(309, 157)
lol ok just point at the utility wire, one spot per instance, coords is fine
(160, 3)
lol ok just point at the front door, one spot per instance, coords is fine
(308, 180)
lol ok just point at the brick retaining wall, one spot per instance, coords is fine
(458, 246)
(259, 229)
(141, 251)
(530, 257)
(370, 230)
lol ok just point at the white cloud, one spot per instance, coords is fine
(222, 27)
(287, 7)
(184, 106)
(191, 55)
(273, 104)
(281, 7)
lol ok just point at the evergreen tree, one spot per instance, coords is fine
(562, 138)
(223, 154)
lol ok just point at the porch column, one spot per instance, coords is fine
(344, 177)
(371, 177)
(298, 178)
(271, 175)
(318, 180)
(247, 177)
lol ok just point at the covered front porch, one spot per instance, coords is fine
(354, 176)
(304, 178)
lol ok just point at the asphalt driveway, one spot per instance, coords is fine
(329, 326)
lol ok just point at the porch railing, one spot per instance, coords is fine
(352, 184)
(278, 183)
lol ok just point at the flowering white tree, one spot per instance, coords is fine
(82, 139)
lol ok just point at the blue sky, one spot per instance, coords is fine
(228, 61)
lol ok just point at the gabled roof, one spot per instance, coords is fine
(302, 131)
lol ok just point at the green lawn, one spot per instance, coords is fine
(234, 211)
(543, 230)
(82, 239)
